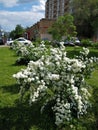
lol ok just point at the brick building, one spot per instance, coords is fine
(40, 30)
(53, 9)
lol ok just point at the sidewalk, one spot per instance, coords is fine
(3, 46)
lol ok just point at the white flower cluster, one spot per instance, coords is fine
(39, 90)
(30, 51)
(61, 78)
(85, 51)
(62, 111)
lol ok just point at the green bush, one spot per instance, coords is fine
(95, 45)
(87, 42)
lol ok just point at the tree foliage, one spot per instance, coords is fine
(64, 26)
(85, 13)
(18, 32)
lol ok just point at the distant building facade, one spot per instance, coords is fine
(40, 30)
(56, 8)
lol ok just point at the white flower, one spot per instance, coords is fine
(26, 72)
(74, 90)
(42, 43)
(29, 79)
(85, 93)
(72, 80)
(85, 51)
(53, 76)
(20, 75)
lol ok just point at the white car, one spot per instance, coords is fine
(21, 40)
(9, 42)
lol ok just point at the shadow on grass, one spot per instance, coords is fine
(21, 61)
(19, 117)
(13, 89)
(24, 117)
(73, 52)
(95, 106)
(93, 53)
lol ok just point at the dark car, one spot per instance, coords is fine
(69, 43)
(72, 42)
(1, 42)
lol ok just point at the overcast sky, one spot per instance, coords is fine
(24, 12)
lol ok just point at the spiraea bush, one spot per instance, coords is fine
(59, 83)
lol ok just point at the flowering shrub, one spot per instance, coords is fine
(28, 52)
(55, 78)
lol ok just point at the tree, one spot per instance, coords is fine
(18, 32)
(85, 13)
(64, 26)
(12, 34)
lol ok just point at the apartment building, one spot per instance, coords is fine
(53, 9)
(56, 8)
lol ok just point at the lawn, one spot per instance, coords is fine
(13, 114)
(7, 82)
(20, 116)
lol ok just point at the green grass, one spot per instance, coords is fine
(13, 114)
(7, 82)
(20, 116)
(7, 66)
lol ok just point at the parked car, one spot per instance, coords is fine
(76, 41)
(65, 43)
(72, 41)
(9, 42)
(21, 40)
(69, 43)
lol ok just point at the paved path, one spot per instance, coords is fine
(3, 46)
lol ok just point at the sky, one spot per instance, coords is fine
(23, 12)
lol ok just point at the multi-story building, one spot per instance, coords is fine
(53, 9)
(56, 8)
